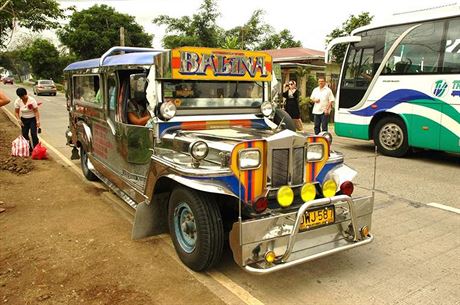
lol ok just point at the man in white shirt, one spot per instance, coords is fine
(323, 98)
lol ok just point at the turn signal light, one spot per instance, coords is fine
(347, 188)
(270, 257)
(261, 205)
(364, 231)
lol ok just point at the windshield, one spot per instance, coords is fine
(209, 94)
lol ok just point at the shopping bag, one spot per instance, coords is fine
(20, 147)
(39, 152)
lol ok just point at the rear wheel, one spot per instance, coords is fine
(84, 166)
(390, 137)
(196, 229)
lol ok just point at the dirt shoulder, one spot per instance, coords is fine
(62, 243)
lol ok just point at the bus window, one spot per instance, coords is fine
(86, 90)
(452, 48)
(112, 95)
(419, 52)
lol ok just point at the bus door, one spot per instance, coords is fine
(358, 73)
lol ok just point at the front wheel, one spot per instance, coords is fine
(390, 137)
(196, 229)
(84, 166)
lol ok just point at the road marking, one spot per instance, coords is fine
(444, 207)
(219, 277)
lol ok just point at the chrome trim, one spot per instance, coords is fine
(308, 258)
(322, 201)
(125, 49)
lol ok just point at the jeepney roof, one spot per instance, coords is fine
(139, 58)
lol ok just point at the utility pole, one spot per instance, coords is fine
(122, 36)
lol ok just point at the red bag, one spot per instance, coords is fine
(39, 152)
(20, 147)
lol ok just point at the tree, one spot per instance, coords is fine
(44, 59)
(36, 15)
(252, 32)
(282, 40)
(199, 30)
(93, 31)
(348, 26)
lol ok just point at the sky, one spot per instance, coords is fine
(308, 21)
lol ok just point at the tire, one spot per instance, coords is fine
(196, 228)
(390, 137)
(84, 166)
(288, 121)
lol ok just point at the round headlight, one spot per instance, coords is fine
(329, 188)
(327, 135)
(266, 108)
(285, 196)
(199, 150)
(308, 192)
(168, 110)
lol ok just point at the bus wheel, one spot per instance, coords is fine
(390, 137)
(282, 116)
(84, 166)
(196, 229)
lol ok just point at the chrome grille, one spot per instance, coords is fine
(280, 167)
(298, 165)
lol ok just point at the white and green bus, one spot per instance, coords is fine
(400, 83)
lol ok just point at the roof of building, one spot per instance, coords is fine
(140, 58)
(290, 54)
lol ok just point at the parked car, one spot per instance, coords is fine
(45, 86)
(8, 80)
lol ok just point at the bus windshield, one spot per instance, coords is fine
(212, 94)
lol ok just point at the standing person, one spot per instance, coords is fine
(323, 97)
(3, 99)
(26, 111)
(292, 103)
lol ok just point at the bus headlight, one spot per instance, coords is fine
(266, 108)
(199, 150)
(329, 188)
(168, 110)
(249, 159)
(315, 152)
(285, 196)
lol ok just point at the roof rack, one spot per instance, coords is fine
(125, 49)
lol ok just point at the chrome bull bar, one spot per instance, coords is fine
(293, 241)
(309, 204)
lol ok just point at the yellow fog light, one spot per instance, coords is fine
(308, 192)
(285, 196)
(365, 231)
(270, 257)
(329, 188)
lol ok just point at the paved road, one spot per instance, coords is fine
(415, 256)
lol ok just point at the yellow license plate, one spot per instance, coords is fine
(318, 217)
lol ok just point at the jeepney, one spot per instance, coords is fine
(210, 167)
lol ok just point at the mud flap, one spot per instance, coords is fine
(151, 219)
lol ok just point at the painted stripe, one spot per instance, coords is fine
(249, 180)
(443, 207)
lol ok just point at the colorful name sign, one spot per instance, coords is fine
(218, 64)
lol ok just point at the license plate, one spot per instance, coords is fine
(318, 217)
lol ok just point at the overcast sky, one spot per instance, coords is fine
(309, 22)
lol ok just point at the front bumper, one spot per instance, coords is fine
(251, 239)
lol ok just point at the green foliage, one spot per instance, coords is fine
(36, 15)
(348, 26)
(199, 30)
(312, 82)
(14, 61)
(43, 57)
(282, 40)
(93, 31)
(305, 107)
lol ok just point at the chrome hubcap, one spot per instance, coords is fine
(391, 136)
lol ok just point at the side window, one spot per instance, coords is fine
(112, 93)
(419, 52)
(359, 68)
(452, 48)
(86, 90)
